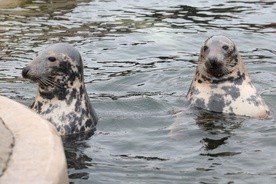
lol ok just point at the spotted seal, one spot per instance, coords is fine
(221, 82)
(61, 98)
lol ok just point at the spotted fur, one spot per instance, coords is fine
(222, 84)
(61, 98)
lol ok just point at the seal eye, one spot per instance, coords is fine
(52, 59)
(205, 48)
(225, 47)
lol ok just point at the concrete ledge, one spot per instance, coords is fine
(10, 3)
(37, 154)
(6, 146)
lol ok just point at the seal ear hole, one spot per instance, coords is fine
(52, 59)
(205, 48)
(225, 47)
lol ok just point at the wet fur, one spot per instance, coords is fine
(222, 84)
(61, 98)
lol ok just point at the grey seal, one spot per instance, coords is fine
(221, 82)
(61, 98)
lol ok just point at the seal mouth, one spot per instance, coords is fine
(215, 67)
(215, 72)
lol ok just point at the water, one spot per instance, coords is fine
(139, 60)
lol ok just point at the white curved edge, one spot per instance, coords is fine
(38, 154)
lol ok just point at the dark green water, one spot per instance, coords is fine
(139, 60)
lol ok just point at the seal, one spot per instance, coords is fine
(61, 98)
(221, 83)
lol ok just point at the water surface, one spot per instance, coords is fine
(139, 59)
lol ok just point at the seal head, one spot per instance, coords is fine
(61, 98)
(222, 84)
(218, 57)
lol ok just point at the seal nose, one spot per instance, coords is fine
(25, 72)
(213, 61)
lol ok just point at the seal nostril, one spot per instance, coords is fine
(25, 72)
(212, 62)
(205, 48)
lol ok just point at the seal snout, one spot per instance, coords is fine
(25, 71)
(214, 67)
(213, 63)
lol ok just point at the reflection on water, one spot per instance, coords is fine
(216, 123)
(76, 159)
(222, 127)
(139, 59)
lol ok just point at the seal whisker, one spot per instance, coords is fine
(52, 83)
(42, 83)
(226, 71)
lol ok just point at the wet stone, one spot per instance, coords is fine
(6, 146)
